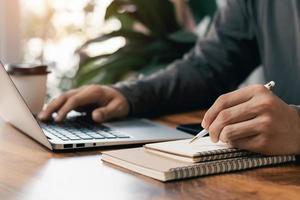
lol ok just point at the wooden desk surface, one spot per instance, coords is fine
(29, 171)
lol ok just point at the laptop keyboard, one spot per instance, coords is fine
(81, 130)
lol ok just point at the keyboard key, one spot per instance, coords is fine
(97, 136)
(73, 137)
(85, 137)
(81, 134)
(83, 129)
(64, 138)
(66, 133)
(76, 133)
(57, 135)
(48, 134)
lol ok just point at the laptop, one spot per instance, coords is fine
(79, 131)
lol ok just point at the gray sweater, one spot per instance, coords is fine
(244, 34)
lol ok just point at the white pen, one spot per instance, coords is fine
(202, 133)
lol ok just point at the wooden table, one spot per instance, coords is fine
(29, 171)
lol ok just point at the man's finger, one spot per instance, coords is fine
(252, 143)
(54, 105)
(232, 115)
(228, 100)
(239, 130)
(84, 97)
(106, 113)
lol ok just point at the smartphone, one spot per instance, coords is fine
(193, 129)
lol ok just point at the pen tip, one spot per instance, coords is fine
(192, 140)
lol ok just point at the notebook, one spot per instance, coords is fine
(200, 151)
(162, 168)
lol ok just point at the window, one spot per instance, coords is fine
(50, 31)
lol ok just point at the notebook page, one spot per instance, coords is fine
(184, 148)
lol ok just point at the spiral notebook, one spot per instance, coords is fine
(200, 151)
(162, 168)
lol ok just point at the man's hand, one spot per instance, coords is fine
(254, 119)
(109, 103)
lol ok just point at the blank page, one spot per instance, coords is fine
(201, 147)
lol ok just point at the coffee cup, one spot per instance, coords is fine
(31, 81)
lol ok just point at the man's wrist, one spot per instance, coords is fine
(296, 107)
(126, 96)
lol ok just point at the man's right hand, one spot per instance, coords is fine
(109, 102)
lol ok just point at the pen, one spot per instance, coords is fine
(269, 86)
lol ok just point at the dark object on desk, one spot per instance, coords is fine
(193, 129)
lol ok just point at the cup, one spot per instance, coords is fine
(31, 81)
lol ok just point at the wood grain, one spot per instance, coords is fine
(29, 171)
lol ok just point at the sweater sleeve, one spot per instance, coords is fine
(218, 63)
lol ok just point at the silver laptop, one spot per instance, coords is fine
(77, 132)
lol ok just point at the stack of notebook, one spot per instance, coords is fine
(179, 159)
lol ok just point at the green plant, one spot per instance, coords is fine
(162, 40)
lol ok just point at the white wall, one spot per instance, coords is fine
(10, 31)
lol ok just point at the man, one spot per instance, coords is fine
(244, 34)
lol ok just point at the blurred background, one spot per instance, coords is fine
(100, 41)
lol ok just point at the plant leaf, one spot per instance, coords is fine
(183, 36)
(142, 53)
(157, 15)
(116, 65)
(123, 33)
